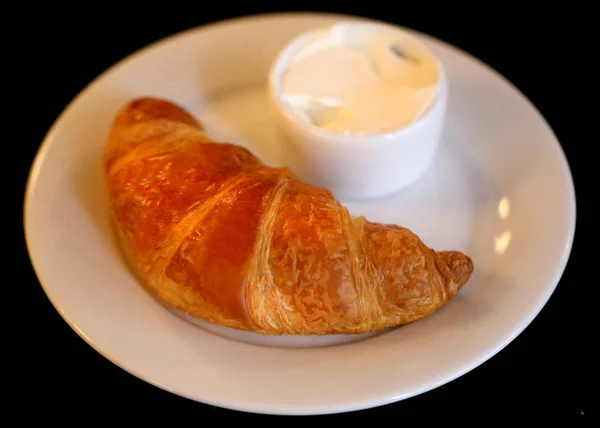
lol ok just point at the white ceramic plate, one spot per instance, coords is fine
(500, 190)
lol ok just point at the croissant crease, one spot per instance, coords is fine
(220, 236)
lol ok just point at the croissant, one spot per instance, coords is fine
(220, 236)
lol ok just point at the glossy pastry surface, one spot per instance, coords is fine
(219, 235)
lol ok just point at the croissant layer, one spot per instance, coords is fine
(219, 235)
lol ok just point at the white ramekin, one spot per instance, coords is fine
(357, 166)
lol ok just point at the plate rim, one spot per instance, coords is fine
(349, 405)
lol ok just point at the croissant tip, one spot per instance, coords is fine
(460, 268)
(147, 108)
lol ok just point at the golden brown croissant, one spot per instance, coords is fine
(220, 236)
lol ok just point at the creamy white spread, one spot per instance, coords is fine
(360, 79)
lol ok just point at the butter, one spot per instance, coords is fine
(355, 78)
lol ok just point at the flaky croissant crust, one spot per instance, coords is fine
(220, 236)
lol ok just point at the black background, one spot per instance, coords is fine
(545, 372)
